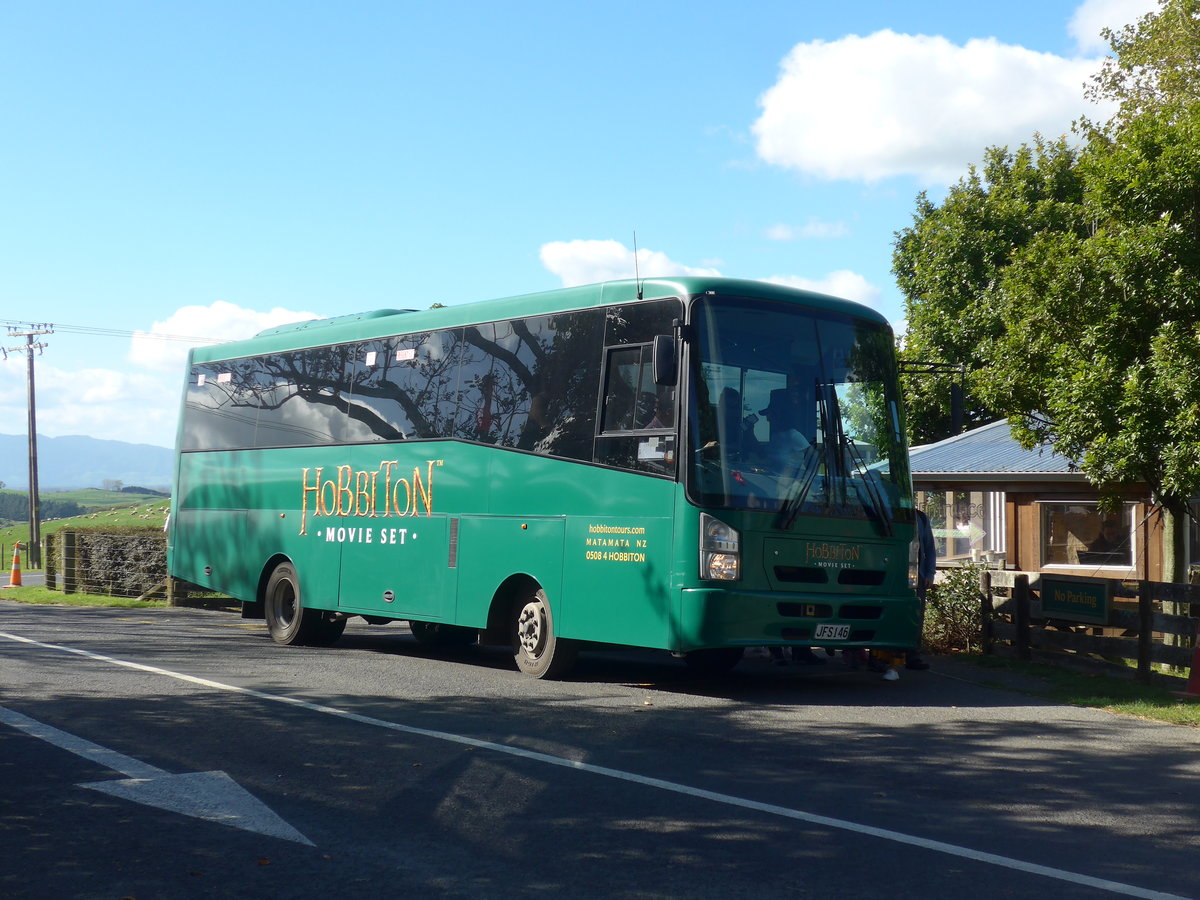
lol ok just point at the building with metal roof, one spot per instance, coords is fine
(991, 454)
(991, 499)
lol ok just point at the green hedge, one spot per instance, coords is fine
(118, 561)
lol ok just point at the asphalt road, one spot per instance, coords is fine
(179, 753)
(28, 579)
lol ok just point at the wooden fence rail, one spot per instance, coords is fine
(1145, 622)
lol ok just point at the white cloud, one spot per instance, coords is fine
(138, 403)
(840, 283)
(586, 262)
(102, 403)
(220, 321)
(1092, 16)
(812, 229)
(896, 104)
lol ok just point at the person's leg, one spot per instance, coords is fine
(913, 658)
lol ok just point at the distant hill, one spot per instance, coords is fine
(68, 463)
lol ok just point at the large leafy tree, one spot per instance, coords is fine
(1100, 348)
(1080, 316)
(948, 264)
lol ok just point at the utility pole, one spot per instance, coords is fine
(35, 537)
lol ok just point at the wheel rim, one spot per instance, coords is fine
(285, 603)
(531, 629)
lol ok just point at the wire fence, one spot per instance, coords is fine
(122, 562)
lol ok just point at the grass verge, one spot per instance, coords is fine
(47, 597)
(1070, 688)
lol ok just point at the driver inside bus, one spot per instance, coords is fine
(786, 443)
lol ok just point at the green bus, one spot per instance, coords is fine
(693, 464)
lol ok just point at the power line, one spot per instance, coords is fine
(107, 332)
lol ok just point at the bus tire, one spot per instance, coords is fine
(437, 634)
(713, 661)
(288, 622)
(536, 649)
(327, 627)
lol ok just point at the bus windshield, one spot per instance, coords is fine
(795, 410)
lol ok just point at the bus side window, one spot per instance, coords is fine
(220, 412)
(301, 397)
(634, 405)
(630, 395)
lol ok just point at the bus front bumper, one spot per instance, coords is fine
(721, 617)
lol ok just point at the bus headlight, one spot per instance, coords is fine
(720, 550)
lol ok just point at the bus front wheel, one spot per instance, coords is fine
(536, 648)
(288, 622)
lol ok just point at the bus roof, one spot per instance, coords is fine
(386, 322)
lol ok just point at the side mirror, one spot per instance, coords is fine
(666, 361)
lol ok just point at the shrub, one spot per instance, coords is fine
(953, 621)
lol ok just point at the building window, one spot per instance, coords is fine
(1076, 534)
(967, 525)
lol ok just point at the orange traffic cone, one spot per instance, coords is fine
(1193, 686)
(14, 577)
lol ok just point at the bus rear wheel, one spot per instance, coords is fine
(536, 648)
(288, 622)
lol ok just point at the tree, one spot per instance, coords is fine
(948, 264)
(1155, 62)
(1070, 281)
(1100, 344)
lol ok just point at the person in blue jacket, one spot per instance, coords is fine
(926, 572)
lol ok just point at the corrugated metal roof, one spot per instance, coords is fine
(988, 450)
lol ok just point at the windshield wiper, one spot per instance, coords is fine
(806, 473)
(836, 472)
(875, 502)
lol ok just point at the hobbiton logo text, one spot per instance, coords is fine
(378, 493)
(831, 556)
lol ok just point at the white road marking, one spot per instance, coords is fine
(886, 834)
(212, 796)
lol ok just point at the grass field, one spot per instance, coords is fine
(119, 510)
(95, 497)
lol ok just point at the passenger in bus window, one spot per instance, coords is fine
(735, 433)
(647, 404)
(664, 410)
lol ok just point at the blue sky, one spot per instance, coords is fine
(210, 169)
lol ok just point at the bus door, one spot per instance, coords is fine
(617, 578)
